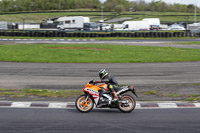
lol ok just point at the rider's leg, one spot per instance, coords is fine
(113, 92)
(101, 92)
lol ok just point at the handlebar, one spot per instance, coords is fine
(92, 82)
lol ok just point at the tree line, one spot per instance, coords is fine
(141, 5)
(39, 5)
(161, 6)
(110, 5)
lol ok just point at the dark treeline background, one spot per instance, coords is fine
(109, 5)
(38, 5)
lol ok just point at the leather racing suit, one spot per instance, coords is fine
(112, 84)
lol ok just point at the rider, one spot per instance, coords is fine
(110, 81)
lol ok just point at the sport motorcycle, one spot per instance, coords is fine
(100, 97)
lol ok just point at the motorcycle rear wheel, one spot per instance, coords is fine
(128, 107)
(82, 106)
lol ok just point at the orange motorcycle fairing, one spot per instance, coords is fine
(105, 86)
(93, 91)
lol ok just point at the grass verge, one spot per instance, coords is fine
(171, 96)
(22, 93)
(45, 94)
(93, 53)
(95, 16)
(187, 43)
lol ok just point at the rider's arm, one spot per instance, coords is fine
(102, 81)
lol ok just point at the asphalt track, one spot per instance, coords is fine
(75, 75)
(99, 121)
(140, 42)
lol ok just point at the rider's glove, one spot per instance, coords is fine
(93, 82)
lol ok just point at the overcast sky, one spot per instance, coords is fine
(172, 1)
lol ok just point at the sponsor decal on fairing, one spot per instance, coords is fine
(93, 93)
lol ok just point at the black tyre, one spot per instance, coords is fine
(127, 107)
(82, 106)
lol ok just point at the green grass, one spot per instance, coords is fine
(172, 95)
(187, 43)
(172, 19)
(20, 93)
(37, 94)
(194, 97)
(96, 16)
(95, 53)
(164, 16)
(39, 17)
(153, 92)
(52, 93)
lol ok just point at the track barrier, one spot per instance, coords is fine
(98, 34)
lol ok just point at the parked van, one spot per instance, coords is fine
(136, 25)
(153, 22)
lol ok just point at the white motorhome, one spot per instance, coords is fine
(136, 25)
(74, 22)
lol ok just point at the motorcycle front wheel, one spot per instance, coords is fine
(83, 106)
(130, 104)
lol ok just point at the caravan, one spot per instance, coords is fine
(75, 23)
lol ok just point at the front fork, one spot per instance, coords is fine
(86, 97)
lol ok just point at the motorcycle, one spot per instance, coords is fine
(102, 98)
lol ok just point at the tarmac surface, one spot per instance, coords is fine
(98, 121)
(76, 75)
(137, 42)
